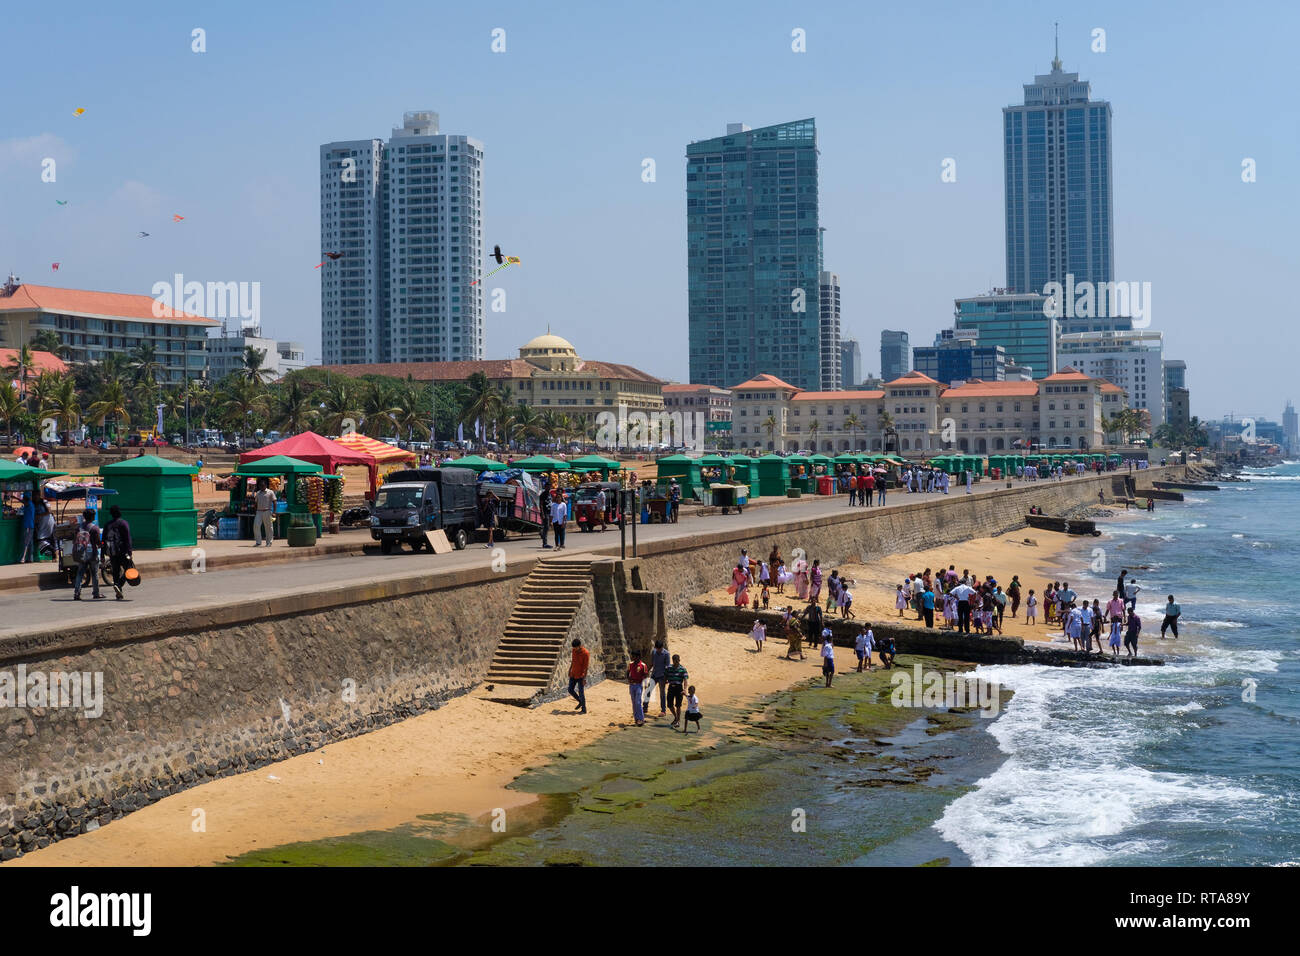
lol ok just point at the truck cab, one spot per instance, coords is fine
(415, 500)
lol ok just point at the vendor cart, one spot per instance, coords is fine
(66, 505)
(586, 512)
(728, 496)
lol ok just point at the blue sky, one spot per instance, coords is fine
(229, 139)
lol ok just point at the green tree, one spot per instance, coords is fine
(292, 408)
(11, 407)
(144, 364)
(253, 366)
(239, 402)
(63, 404)
(814, 427)
(340, 403)
(854, 425)
(480, 400)
(112, 404)
(47, 340)
(380, 408)
(20, 367)
(769, 426)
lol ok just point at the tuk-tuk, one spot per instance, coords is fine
(728, 496)
(585, 509)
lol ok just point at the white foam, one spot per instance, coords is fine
(1181, 708)
(1198, 524)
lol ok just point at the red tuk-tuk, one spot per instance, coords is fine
(586, 507)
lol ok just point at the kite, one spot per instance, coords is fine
(61, 202)
(78, 111)
(54, 266)
(334, 255)
(502, 262)
(177, 218)
(142, 235)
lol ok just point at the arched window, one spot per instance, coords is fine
(983, 445)
(963, 444)
(1000, 444)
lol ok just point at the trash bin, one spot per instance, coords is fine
(825, 485)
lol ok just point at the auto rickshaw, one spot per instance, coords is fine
(585, 511)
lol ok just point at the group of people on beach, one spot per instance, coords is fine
(665, 672)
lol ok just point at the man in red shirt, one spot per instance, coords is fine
(866, 484)
(578, 675)
(636, 675)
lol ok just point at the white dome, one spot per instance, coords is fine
(548, 341)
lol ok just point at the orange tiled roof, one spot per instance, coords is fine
(1068, 374)
(678, 387)
(110, 305)
(974, 388)
(914, 378)
(858, 396)
(41, 361)
(1109, 386)
(763, 380)
(492, 368)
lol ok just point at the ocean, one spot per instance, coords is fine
(1194, 763)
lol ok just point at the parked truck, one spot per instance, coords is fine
(415, 500)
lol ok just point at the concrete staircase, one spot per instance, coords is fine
(538, 629)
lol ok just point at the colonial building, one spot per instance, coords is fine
(712, 402)
(95, 324)
(548, 375)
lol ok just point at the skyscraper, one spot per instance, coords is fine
(408, 217)
(1058, 184)
(850, 363)
(832, 373)
(895, 356)
(753, 254)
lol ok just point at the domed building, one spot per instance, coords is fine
(549, 375)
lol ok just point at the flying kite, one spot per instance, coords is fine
(78, 111)
(142, 235)
(502, 261)
(177, 218)
(334, 255)
(61, 202)
(496, 254)
(54, 266)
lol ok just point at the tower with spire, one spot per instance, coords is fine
(1059, 206)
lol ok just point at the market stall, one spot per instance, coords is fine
(304, 494)
(17, 484)
(156, 496)
(318, 450)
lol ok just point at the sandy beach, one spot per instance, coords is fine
(461, 757)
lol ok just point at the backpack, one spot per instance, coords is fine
(113, 542)
(83, 548)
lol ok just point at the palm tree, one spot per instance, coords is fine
(340, 403)
(112, 404)
(814, 427)
(20, 367)
(525, 424)
(239, 402)
(853, 423)
(144, 364)
(47, 340)
(63, 404)
(885, 421)
(293, 409)
(548, 424)
(479, 400)
(411, 417)
(253, 369)
(11, 406)
(769, 426)
(380, 409)
(113, 367)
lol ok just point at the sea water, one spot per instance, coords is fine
(1193, 763)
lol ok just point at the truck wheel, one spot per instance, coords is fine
(386, 546)
(460, 540)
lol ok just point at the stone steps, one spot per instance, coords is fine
(536, 632)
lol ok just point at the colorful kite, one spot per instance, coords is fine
(61, 202)
(177, 218)
(78, 111)
(54, 266)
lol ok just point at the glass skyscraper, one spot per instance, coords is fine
(1058, 184)
(895, 355)
(753, 253)
(1018, 323)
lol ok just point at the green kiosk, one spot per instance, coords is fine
(16, 481)
(293, 519)
(773, 476)
(687, 472)
(156, 496)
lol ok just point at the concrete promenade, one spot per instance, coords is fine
(211, 597)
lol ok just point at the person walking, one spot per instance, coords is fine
(578, 665)
(692, 711)
(927, 606)
(828, 658)
(264, 517)
(1131, 590)
(1172, 613)
(758, 634)
(963, 594)
(544, 506)
(86, 542)
(487, 517)
(1134, 627)
(659, 661)
(29, 529)
(1013, 592)
(812, 617)
(676, 676)
(636, 675)
(118, 545)
(559, 516)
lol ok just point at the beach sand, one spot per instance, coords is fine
(460, 757)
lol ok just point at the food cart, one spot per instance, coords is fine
(67, 505)
(17, 481)
(727, 496)
(299, 500)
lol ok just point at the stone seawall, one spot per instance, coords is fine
(208, 692)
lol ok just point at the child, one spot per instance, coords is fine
(833, 591)
(765, 597)
(950, 610)
(759, 634)
(900, 600)
(781, 577)
(862, 646)
(1031, 610)
(692, 711)
(846, 601)
(828, 657)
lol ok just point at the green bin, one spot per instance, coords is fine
(156, 496)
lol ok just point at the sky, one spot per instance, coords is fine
(584, 92)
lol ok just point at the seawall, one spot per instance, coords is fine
(203, 693)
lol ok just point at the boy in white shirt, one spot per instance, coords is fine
(828, 657)
(692, 711)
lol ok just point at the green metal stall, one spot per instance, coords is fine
(156, 496)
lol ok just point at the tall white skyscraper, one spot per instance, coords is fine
(408, 217)
(829, 286)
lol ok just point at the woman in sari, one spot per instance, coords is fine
(801, 578)
(740, 586)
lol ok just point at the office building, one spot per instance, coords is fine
(1178, 407)
(895, 356)
(1057, 152)
(407, 218)
(957, 355)
(754, 255)
(1018, 322)
(832, 373)
(851, 373)
(1132, 360)
(226, 354)
(1175, 377)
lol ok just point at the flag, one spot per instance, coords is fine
(54, 266)
(460, 432)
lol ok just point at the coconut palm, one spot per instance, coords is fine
(292, 407)
(63, 404)
(21, 367)
(480, 400)
(853, 424)
(253, 367)
(238, 403)
(411, 417)
(47, 340)
(113, 404)
(885, 422)
(11, 406)
(769, 426)
(144, 364)
(548, 424)
(380, 409)
(814, 427)
(524, 424)
(340, 403)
